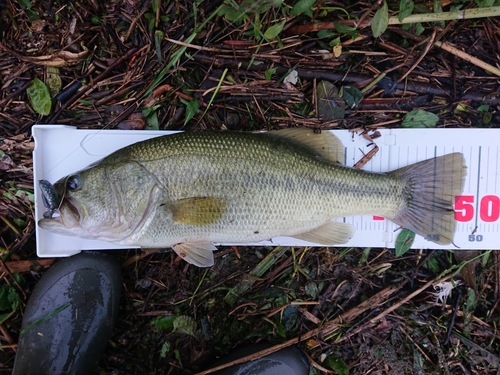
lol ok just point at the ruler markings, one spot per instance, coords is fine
(483, 180)
(496, 169)
(478, 186)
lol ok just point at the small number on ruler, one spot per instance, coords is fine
(489, 208)
(475, 237)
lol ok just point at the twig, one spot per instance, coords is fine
(245, 284)
(6, 335)
(447, 16)
(384, 313)
(453, 316)
(21, 266)
(134, 258)
(8, 271)
(83, 92)
(416, 87)
(414, 18)
(329, 328)
(403, 331)
(473, 60)
(429, 45)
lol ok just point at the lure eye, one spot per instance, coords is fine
(74, 182)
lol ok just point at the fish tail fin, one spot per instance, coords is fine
(429, 192)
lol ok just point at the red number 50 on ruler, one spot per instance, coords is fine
(489, 208)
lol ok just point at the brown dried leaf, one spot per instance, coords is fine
(58, 59)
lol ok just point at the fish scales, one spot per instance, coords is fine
(269, 185)
(190, 190)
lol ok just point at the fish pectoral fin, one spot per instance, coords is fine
(197, 211)
(198, 253)
(330, 233)
(324, 144)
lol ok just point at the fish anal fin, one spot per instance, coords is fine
(323, 143)
(199, 253)
(330, 233)
(197, 211)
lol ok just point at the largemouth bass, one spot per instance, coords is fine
(191, 190)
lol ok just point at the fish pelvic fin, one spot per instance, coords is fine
(198, 253)
(429, 192)
(330, 233)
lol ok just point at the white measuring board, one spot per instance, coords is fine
(61, 150)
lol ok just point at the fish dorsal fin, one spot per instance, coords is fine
(330, 233)
(323, 143)
(197, 211)
(199, 253)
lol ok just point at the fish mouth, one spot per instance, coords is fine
(68, 216)
(70, 212)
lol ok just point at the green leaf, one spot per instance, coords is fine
(165, 348)
(9, 298)
(151, 117)
(231, 14)
(165, 323)
(438, 7)
(330, 105)
(471, 299)
(14, 298)
(21, 193)
(433, 264)
(380, 20)
(420, 119)
(53, 79)
(302, 7)
(487, 116)
(483, 108)
(419, 29)
(274, 30)
(352, 96)
(152, 122)
(312, 290)
(281, 330)
(325, 34)
(159, 35)
(405, 9)
(4, 301)
(39, 96)
(404, 241)
(269, 73)
(191, 108)
(337, 365)
(485, 3)
(5, 317)
(185, 324)
(351, 31)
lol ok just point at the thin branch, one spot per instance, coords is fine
(473, 60)
(414, 18)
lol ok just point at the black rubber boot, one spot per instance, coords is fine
(288, 361)
(70, 316)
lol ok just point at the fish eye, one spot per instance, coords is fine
(74, 182)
